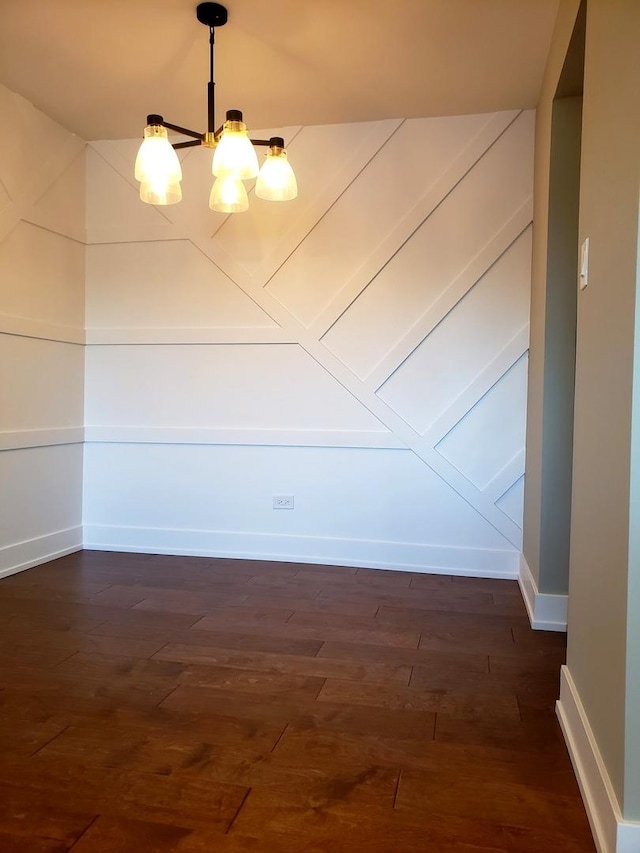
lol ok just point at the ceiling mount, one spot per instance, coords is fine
(212, 14)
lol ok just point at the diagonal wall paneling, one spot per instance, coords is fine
(363, 348)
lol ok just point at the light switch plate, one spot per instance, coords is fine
(583, 273)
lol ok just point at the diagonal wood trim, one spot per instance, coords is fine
(358, 159)
(471, 154)
(247, 437)
(25, 438)
(330, 194)
(142, 232)
(505, 478)
(448, 300)
(481, 385)
(22, 210)
(27, 328)
(186, 337)
(413, 440)
(78, 238)
(389, 418)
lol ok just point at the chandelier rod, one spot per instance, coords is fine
(211, 85)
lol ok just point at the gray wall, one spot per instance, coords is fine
(599, 572)
(604, 583)
(532, 527)
(559, 346)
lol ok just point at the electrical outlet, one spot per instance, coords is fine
(283, 501)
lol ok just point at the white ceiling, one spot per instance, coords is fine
(99, 66)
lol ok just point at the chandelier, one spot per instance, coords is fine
(234, 156)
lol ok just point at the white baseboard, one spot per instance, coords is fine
(612, 834)
(546, 612)
(400, 556)
(24, 555)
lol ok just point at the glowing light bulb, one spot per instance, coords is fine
(235, 156)
(160, 191)
(228, 195)
(276, 181)
(158, 168)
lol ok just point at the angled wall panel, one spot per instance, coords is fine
(492, 432)
(462, 225)
(467, 339)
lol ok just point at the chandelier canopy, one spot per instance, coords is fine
(234, 154)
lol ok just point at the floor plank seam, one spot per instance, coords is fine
(238, 810)
(164, 699)
(322, 644)
(83, 833)
(395, 793)
(280, 736)
(322, 686)
(64, 660)
(51, 740)
(94, 628)
(152, 656)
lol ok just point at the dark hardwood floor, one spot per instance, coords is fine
(153, 703)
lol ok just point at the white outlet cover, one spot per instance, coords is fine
(283, 501)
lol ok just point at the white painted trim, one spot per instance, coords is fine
(500, 484)
(475, 149)
(26, 328)
(177, 337)
(366, 553)
(452, 295)
(24, 438)
(356, 161)
(342, 375)
(247, 437)
(489, 376)
(611, 832)
(24, 555)
(78, 236)
(336, 186)
(546, 612)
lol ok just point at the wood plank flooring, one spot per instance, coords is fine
(165, 703)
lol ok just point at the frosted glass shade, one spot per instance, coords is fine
(159, 191)
(228, 195)
(157, 159)
(276, 181)
(235, 156)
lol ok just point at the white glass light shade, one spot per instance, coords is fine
(157, 159)
(235, 156)
(276, 181)
(161, 192)
(228, 195)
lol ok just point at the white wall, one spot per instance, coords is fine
(362, 348)
(42, 211)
